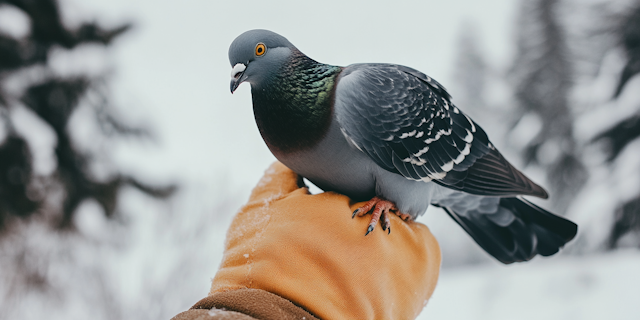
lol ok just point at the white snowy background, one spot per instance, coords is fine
(171, 73)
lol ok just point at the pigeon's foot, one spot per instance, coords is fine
(381, 209)
(403, 216)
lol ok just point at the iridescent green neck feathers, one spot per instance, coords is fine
(293, 107)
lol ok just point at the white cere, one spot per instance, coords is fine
(237, 69)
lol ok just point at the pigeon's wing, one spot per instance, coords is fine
(406, 123)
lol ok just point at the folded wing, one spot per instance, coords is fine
(405, 122)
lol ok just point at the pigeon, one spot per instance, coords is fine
(389, 135)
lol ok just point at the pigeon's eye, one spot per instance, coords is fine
(260, 49)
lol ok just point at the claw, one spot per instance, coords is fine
(386, 224)
(369, 230)
(381, 209)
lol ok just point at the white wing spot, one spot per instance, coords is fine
(438, 175)
(421, 151)
(447, 166)
(469, 136)
(438, 135)
(466, 149)
(418, 161)
(408, 134)
(419, 134)
(473, 127)
(446, 104)
(463, 153)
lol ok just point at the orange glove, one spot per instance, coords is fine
(307, 249)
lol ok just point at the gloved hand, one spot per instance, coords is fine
(306, 249)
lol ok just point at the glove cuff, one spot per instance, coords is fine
(245, 304)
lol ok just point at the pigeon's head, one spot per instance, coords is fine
(256, 56)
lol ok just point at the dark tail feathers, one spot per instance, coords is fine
(519, 232)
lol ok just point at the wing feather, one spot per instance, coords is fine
(405, 122)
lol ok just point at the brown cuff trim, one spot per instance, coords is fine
(256, 303)
(216, 314)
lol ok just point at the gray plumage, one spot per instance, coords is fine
(391, 131)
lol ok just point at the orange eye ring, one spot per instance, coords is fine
(260, 49)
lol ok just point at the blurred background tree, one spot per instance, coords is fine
(571, 118)
(626, 36)
(35, 205)
(543, 77)
(55, 99)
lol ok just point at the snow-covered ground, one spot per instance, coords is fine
(599, 286)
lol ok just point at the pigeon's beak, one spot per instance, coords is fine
(237, 76)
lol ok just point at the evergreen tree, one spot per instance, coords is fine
(54, 100)
(618, 137)
(543, 80)
(38, 236)
(470, 73)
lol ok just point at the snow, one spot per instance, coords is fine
(14, 22)
(600, 286)
(41, 139)
(88, 60)
(216, 312)
(526, 129)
